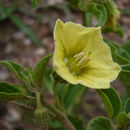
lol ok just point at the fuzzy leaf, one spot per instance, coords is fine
(114, 99)
(9, 88)
(10, 92)
(118, 30)
(39, 70)
(100, 123)
(121, 56)
(72, 94)
(21, 73)
(106, 102)
(77, 122)
(103, 15)
(13, 67)
(48, 80)
(127, 47)
(127, 106)
(122, 119)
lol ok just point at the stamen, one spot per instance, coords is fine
(77, 63)
(79, 56)
(82, 60)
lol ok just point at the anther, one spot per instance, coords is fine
(82, 61)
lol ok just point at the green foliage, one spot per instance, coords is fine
(35, 2)
(122, 119)
(102, 16)
(47, 80)
(72, 94)
(29, 104)
(127, 106)
(89, 18)
(9, 12)
(39, 70)
(6, 11)
(68, 95)
(9, 92)
(111, 100)
(99, 11)
(105, 11)
(121, 56)
(77, 122)
(74, 3)
(19, 23)
(127, 47)
(100, 123)
(118, 30)
(20, 72)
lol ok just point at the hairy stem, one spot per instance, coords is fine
(81, 101)
(57, 101)
(59, 116)
(84, 18)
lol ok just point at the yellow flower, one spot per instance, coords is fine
(81, 56)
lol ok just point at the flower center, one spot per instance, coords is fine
(77, 63)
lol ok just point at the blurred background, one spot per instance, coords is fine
(26, 35)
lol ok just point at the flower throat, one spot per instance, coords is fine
(77, 63)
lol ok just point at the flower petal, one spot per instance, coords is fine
(101, 70)
(59, 55)
(74, 37)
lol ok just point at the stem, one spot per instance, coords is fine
(57, 101)
(81, 101)
(38, 100)
(59, 116)
(84, 18)
(63, 94)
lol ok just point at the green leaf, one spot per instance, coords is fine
(39, 70)
(126, 68)
(114, 99)
(5, 97)
(106, 102)
(100, 123)
(89, 18)
(47, 80)
(20, 24)
(35, 2)
(92, 7)
(103, 15)
(127, 106)
(122, 119)
(72, 95)
(73, 3)
(124, 98)
(6, 11)
(13, 67)
(118, 30)
(10, 92)
(127, 47)
(28, 103)
(77, 122)
(119, 55)
(9, 88)
(21, 73)
(124, 78)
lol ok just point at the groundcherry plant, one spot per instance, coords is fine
(82, 60)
